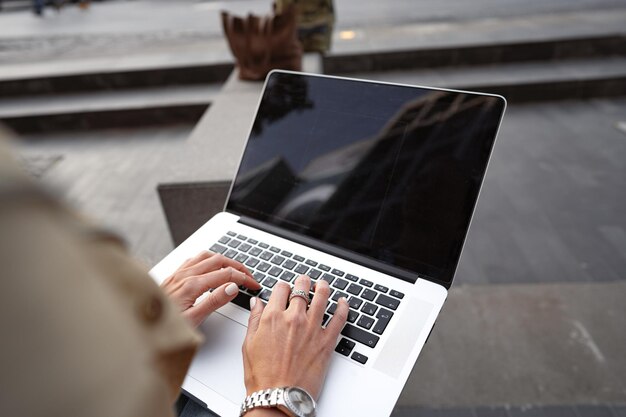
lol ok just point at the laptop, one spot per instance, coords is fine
(370, 186)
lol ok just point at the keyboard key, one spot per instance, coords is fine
(275, 271)
(258, 277)
(252, 241)
(325, 319)
(314, 273)
(242, 257)
(234, 243)
(384, 314)
(217, 248)
(338, 272)
(269, 282)
(242, 237)
(352, 278)
(263, 267)
(366, 283)
(277, 260)
(310, 262)
(245, 247)
(365, 322)
(231, 253)
(286, 254)
(298, 258)
(352, 316)
(242, 300)
(383, 320)
(287, 276)
(266, 256)
(369, 308)
(332, 308)
(265, 295)
(224, 240)
(360, 335)
(355, 303)
(386, 301)
(301, 269)
(264, 245)
(396, 294)
(231, 234)
(345, 346)
(275, 249)
(359, 358)
(255, 251)
(380, 288)
(252, 262)
(368, 294)
(324, 268)
(289, 264)
(355, 289)
(338, 295)
(340, 283)
(328, 278)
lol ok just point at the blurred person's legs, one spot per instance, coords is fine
(38, 6)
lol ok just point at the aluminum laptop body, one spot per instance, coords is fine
(368, 185)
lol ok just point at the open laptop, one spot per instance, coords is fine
(368, 185)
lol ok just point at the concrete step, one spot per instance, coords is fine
(134, 72)
(494, 52)
(12, 5)
(108, 74)
(522, 82)
(127, 108)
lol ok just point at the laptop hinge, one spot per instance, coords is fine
(350, 256)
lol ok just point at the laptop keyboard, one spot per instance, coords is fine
(371, 305)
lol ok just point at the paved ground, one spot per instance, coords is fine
(164, 27)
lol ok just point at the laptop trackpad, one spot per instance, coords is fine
(396, 351)
(218, 365)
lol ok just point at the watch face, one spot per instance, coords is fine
(300, 401)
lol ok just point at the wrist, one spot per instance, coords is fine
(290, 401)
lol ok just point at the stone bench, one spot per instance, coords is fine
(200, 175)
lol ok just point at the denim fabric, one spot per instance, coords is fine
(186, 407)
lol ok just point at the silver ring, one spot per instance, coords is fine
(300, 293)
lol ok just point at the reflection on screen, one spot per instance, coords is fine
(389, 172)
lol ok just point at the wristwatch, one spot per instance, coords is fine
(293, 401)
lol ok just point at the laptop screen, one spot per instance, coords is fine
(389, 172)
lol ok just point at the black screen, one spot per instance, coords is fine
(389, 172)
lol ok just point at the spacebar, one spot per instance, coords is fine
(360, 336)
(242, 300)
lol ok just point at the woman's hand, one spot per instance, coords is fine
(286, 345)
(200, 274)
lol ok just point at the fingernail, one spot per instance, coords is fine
(232, 289)
(252, 302)
(343, 299)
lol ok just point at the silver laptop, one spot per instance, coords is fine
(368, 185)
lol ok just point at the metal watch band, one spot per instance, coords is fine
(265, 398)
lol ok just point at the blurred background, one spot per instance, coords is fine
(111, 99)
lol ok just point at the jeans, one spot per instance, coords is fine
(186, 407)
